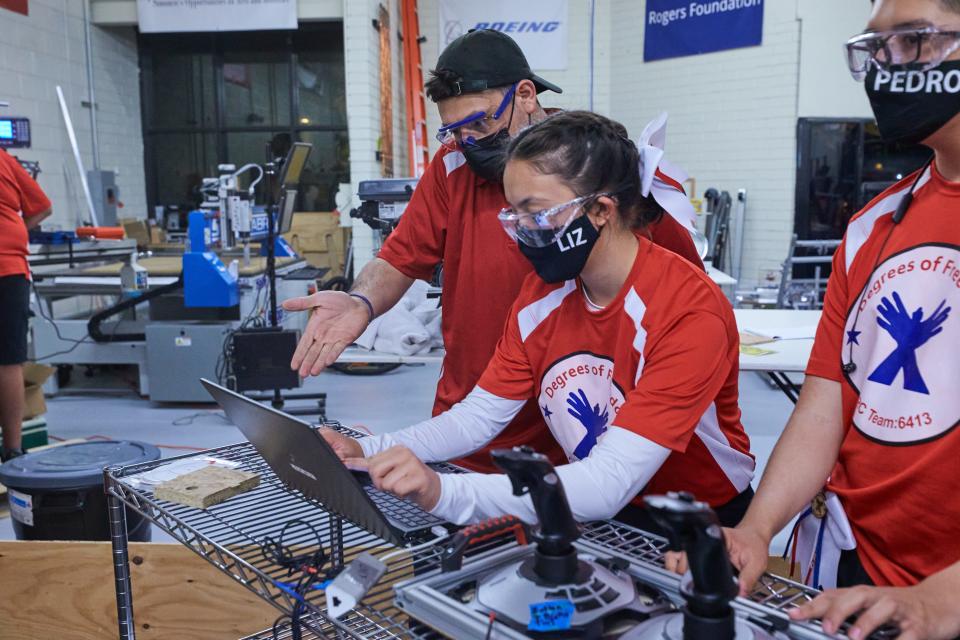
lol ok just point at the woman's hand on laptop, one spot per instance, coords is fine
(402, 473)
(344, 446)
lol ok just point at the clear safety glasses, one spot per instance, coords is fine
(923, 49)
(474, 127)
(543, 228)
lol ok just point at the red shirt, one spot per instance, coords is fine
(452, 218)
(898, 475)
(18, 192)
(661, 360)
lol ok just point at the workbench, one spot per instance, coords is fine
(86, 288)
(229, 536)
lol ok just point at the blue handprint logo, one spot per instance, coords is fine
(910, 331)
(593, 421)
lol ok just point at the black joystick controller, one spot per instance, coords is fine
(693, 527)
(555, 559)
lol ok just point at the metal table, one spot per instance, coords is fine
(229, 536)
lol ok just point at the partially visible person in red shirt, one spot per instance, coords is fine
(486, 94)
(23, 206)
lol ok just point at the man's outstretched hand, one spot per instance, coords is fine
(336, 322)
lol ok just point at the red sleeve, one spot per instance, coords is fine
(32, 198)
(415, 247)
(670, 234)
(685, 369)
(509, 374)
(825, 359)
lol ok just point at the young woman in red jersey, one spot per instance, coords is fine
(630, 350)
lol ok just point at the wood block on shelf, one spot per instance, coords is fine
(206, 487)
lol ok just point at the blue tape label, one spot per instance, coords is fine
(553, 615)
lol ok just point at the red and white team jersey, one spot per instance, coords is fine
(896, 318)
(661, 361)
(452, 219)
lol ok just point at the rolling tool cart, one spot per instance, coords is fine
(436, 589)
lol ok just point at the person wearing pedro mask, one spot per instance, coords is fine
(486, 94)
(876, 421)
(629, 351)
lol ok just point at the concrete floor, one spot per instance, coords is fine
(381, 403)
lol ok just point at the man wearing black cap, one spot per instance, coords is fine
(486, 93)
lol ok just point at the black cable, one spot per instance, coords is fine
(310, 564)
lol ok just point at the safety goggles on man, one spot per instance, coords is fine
(475, 126)
(543, 228)
(924, 48)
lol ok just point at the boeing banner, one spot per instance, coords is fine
(539, 26)
(676, 28)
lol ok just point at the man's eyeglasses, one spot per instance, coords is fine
(475, 126)
(922, 49)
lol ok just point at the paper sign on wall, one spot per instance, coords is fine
(539, 26)
(170, 16)
(677, 28)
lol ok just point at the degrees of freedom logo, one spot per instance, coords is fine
(902, 345)
(579, 399)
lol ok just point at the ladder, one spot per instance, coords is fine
(418, 152)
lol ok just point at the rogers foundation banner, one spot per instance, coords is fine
(539, 26)
(677, 28)
(166, 16)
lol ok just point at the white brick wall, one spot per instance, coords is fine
(362, 61)
(46, 48)
(732, 118)
(575, 80)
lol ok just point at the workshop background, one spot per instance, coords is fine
(733, 114)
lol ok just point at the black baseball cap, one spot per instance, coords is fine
(485, 59)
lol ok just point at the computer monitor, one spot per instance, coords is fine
(290, 175)
(14, 133)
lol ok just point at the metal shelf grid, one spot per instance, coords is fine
(771, 591)
(229, 536)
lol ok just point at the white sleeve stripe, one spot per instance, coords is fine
(530, 317)
(453, 161)
(466, 427)
(736, 465)
(636, 309)
(860, 229)
(597, 487)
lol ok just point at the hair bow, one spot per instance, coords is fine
(661, 178)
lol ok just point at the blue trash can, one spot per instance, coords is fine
(57, 494)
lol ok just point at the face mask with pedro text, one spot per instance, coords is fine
(911, 105)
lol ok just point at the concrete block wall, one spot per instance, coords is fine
(46, 49)
(362, 61)
(732, 119)
(574, 80)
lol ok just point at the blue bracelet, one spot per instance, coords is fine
(367, 302)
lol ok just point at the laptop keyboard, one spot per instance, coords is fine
(401, 513)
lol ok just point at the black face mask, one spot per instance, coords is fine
(564, 259)
(910, 106)
(487, 156)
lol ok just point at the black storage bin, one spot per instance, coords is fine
(57, 494)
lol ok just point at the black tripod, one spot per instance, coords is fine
(278, 398)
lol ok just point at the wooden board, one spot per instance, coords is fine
(66, 590)
(206, 487)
